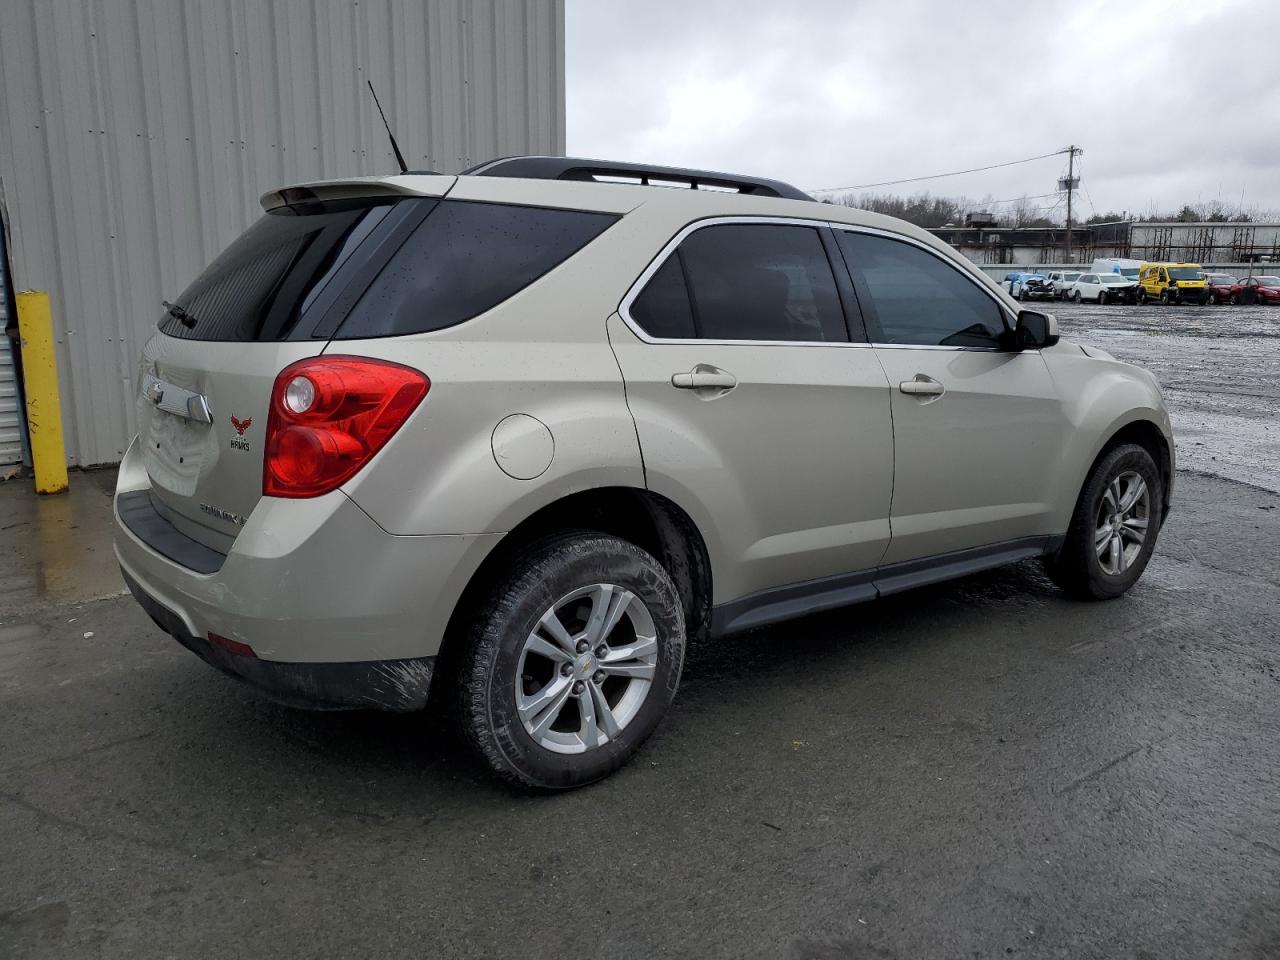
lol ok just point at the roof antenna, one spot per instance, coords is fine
(404, 167)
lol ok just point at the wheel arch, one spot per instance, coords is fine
(646, 519)
(1148, 435)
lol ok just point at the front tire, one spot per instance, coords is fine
(1114, 527)
(571, 662)
(1076, 296)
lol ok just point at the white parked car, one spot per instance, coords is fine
(1061, 281)
(1103, 288)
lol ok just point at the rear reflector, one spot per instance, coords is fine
(235, 646)
(329, 416)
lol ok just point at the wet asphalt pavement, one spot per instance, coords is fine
(981, 769)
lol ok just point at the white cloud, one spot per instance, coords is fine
(836, 92)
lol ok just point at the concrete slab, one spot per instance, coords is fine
(57, 549)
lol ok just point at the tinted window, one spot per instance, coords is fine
(262, 285)
(756, 281)
(464, 259)
(662, 309)
(919, 298)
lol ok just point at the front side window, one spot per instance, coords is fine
(919, 298)
(744, 281)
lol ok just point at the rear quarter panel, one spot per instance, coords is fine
(543, 353)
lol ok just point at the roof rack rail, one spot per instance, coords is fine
(581, 168)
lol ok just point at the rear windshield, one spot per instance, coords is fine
(464, 259)
(277, 271)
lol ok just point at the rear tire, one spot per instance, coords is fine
(542, 711)
(1102, 556)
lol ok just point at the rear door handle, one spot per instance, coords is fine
(704, 377)
(922, 386)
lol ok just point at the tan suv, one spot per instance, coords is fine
(529, 430)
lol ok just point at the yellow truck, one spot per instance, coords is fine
(1172, 283)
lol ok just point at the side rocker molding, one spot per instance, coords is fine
(829, 593)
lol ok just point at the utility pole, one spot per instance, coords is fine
(1070, 182)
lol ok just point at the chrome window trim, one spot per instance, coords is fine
(624, 308)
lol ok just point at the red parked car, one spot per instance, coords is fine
(1256, 290)
(1219, 286)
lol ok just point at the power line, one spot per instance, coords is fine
(939, 176)
(1038, 196)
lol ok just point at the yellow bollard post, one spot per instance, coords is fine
(40, 377)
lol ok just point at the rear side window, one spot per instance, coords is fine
(744, 281)
(464, 259)
(260, 287)
(662, 309)
(920, 299)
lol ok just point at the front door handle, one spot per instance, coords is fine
(922, 386)
(704, 377)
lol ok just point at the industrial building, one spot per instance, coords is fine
(1205, 243)
(137, 135)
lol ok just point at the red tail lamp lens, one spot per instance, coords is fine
(329, 416)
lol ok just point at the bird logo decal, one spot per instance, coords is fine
(241, 425)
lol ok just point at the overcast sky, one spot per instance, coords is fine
(1172, 102)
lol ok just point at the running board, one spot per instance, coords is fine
(814, 596)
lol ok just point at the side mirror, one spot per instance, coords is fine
(1034, 330)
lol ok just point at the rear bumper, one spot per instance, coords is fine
(328, 601)
(400, 685)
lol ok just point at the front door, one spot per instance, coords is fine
(755, 412)
(975, 426)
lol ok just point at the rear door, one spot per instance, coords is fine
(206, 376)
(754, 409)
(976, 428)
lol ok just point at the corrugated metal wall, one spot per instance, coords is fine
(136, 136)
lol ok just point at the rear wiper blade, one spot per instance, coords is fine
(175, 311)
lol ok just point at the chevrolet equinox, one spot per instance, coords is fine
(527, 431)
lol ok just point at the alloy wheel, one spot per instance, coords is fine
(1120, 529)
(586, 668)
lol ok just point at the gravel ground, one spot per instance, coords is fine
(1219, 367)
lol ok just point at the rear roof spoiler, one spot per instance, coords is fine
(405, 185)
(581, 168)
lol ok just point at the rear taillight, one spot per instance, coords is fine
(329, 416)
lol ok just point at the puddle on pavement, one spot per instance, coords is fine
(55, 547)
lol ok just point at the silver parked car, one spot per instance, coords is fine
(523, 433)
